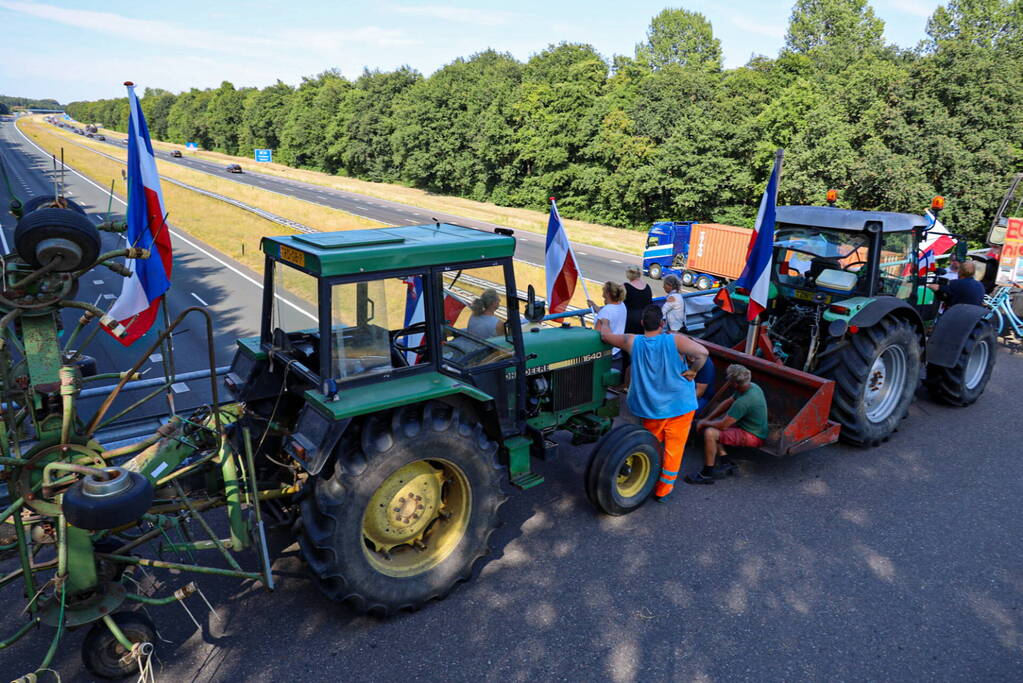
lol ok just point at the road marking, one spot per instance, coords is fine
(582, 253)
(183, 238)
(614, 260)
(198, 299)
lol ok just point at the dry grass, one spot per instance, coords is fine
(618, 239)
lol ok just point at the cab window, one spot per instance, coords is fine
(378, 326)
(475, 311)
(895, 264)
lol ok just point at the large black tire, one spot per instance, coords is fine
(724, 328)
(623, 469)
(655, 271)
(868, 365)
(963, 384)
(101, 653)
(349, 509)
(70, 226)
(46, 200)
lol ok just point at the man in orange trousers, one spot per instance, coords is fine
(662, 391)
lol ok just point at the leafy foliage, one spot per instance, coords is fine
(665, 133)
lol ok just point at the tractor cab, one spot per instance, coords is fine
(361, 314)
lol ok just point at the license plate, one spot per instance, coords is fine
(813, 296)
(293, 255)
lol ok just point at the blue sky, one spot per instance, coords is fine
(74, 50)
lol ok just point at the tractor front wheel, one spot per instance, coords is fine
(876, 374)
(623, 469)
(963, 384)
(407, 510)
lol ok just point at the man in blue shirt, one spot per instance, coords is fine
(965, 289)
(704, 386)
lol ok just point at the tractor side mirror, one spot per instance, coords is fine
(535, 310)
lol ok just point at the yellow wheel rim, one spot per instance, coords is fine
(633, 475)
(416, 517)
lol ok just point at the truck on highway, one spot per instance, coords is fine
(703, 255)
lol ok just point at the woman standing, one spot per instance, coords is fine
(674, 307)
(638, 296)
(613, 309)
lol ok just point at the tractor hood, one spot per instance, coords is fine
(551, 348)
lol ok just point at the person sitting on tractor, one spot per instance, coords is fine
(613, 310)
(740, 420)
(483, 323)
(965, 289)
(704, 386)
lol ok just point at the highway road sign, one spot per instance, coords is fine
(192, 146)
(264, 155)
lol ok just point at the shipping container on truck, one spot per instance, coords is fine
(703, 255)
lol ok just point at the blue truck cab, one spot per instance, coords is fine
(667, 246)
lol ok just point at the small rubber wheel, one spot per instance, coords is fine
(687, 278)
(623, 469)
(47, 201)
(97, 513)
(655, 271)
(78, 239)
(104, 656)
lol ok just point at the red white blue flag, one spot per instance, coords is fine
(937, 239)
(560, 265)
(415, 312)
(756, 276)
(926, 263)
(141, 293)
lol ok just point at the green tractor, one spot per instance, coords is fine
(848, 304)
(404, 419)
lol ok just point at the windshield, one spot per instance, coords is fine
(803, 253)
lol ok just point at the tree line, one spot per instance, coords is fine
(665, 133)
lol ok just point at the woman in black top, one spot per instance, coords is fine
(638, 296)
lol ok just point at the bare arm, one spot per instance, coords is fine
(593, 305)
(719, 410)
(695, 353)
(621, 341)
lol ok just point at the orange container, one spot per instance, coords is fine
(718, 249)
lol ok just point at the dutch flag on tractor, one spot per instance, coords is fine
(415, 312)
(560, 265)
(756, 276)
(142, 292)
(938, 239)
(926, 263)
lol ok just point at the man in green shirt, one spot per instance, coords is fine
(740, 420)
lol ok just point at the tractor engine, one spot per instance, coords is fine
(795, 331)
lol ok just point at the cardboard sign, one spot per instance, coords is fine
(1010, 264)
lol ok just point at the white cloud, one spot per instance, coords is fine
(750, 26)
(461, 15)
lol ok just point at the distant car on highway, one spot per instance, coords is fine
(101, 137)
(233, 168)
(176, 153)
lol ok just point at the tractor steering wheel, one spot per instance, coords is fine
(416, 328)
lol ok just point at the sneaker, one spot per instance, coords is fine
(698, 478)
(724, 469)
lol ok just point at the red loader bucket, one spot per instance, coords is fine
(798, 403)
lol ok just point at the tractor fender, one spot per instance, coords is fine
(951, 332)
(872, 313)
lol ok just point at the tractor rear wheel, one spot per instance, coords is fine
(963, 384)
(724, 328)
(876, 374)
(406, 512)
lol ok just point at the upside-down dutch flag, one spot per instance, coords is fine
(141, 293)
(756, 276)
(415, 312)
(560, 266)
(938, 239)
(926, 263)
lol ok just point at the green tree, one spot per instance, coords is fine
(984, 23)
(265, 114)
(156, 104)
(224, 118)
(304, 137)
(680, 37)
(848, 25)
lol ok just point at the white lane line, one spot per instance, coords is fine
(614, 260)
(183, 238)
(196, 296)
(582, 253)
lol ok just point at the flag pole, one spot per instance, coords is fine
(753, 331)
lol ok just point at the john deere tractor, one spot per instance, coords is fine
(406, 425)
(848, 303)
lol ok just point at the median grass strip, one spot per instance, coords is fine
(606, 236)
(314, 215)
(232, 231)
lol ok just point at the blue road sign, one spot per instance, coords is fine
(264, 155)
(192, 146)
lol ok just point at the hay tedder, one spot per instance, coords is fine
(366, 417)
